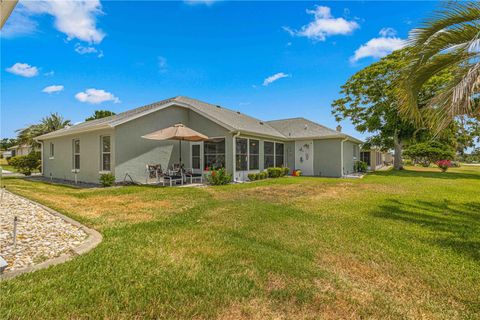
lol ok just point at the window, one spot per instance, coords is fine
(253, 154)
(214, 153)
(52, 150)
(76, 154)
(365, 157)
(195, 156)
(241, 154)
(269, 154)
(279, 155)
(106, 153)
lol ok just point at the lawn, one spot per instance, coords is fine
(391, 245)
(5, 166)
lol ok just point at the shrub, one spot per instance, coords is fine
(107, 179)
(428, 152)
(26, 164)
(8, 160)
(286, 171)
(262, 175)
(219, 177)
(275, 172)
(360, 166)
(253, 176)
(444, 165)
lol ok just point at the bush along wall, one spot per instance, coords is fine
(274, 172)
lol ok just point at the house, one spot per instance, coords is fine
(238, 142)
(376, 158)
(20, 150)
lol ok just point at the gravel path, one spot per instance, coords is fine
(40, 235)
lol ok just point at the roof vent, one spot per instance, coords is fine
(238, 112)
(261, 122)
(306, 127)
(219, 106)
(339, 128)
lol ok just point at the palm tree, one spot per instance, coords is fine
(448, 41)
(48, 124)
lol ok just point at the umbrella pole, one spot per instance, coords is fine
(180, 152)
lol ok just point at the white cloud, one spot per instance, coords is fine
(204, 2)
(388, 32)
(324, 25)
(23, 69)
(84, 50)
(379, 47)
(87, 50)
(96, 96)
(77, 19)
(53, 89)
(274, 78)
(49, 73)
(19, 24)
(162, 64)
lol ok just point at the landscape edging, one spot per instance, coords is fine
(94, 238)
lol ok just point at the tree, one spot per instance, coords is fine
(429, 152)
(48, 124)
(98, 114)
(26, 164)
(369, 99)
(449, 40)
(6, 143)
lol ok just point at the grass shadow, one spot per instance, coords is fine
(408, 173)
(456, 225)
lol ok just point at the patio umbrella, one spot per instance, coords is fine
(177, 132)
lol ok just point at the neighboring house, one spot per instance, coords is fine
(376, 159)
(6, 154)
(21, 150)
(238, 142)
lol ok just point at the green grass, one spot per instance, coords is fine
(391, 245)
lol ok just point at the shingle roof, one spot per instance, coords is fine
(301, 128)
(232, 120)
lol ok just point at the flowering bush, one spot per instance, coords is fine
(219, 177)
(444, 165)
(297, 173)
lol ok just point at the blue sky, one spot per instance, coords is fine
(270, 60)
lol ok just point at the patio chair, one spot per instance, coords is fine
(153, 171)
(172, 176)
(189, 174)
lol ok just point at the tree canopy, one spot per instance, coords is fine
(448, 40)
(99, 114)
(48, 124)
(369, 99)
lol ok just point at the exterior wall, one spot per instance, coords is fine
(61, 165)
(327, 158)
(351, 152)
(134, 152)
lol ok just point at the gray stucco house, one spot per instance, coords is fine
(238, 142)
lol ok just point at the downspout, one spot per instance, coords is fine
(41, 157)
(341, 156)
(235, 136)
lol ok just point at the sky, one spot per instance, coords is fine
(270, 60)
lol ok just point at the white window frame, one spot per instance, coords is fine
(74, 169)
(102, 169)
(274, 152)
(256, 154)
(203, 151)
(51, 151)
(248, 154)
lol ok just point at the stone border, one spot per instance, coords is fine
(94, 238)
